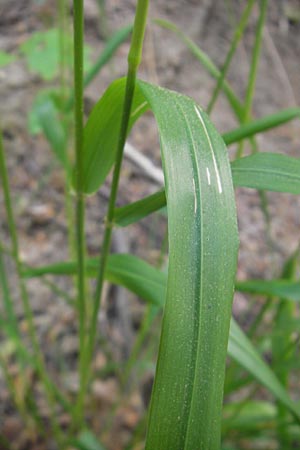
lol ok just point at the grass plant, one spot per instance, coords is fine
(187, 409)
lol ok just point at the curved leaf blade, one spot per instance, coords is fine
(186, 403)
(244, 352)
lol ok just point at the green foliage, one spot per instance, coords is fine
(42, 53)
(87, 441)
(6, 58)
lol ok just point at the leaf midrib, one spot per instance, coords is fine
(199, 288)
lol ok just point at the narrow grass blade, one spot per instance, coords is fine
(53, 129)
(8, 304)
(249, 358)
(250, 415)
(284, 345)
(133, 212)
(205, 60)
(261, 125)
(268, 171)
(239, 31)
(110, 48)
(125, 270)
(289, 290)
(255, 60)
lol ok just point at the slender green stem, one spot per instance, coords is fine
(7, 299)
(234, 44)
(61, 7)
(148, 320)
(254, 67)
(80, 200)
(282, 349)
(134, 59)
(38, 356)
(255, 60)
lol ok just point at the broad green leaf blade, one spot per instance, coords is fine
(101, 133)
(268, 171)
(289, 290)
(243, 351)
(260, 125)
(142, 280)
(187, 396)
(263, 171)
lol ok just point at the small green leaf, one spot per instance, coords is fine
(54, 131)
(133, 212)
(45, 117)
(42, 53)
(87, 441)
(260, 125)
(6, 58)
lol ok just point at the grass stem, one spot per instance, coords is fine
(234, 44)
(38, 355)
(80, 199)
(134, 59)
(253, 69)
